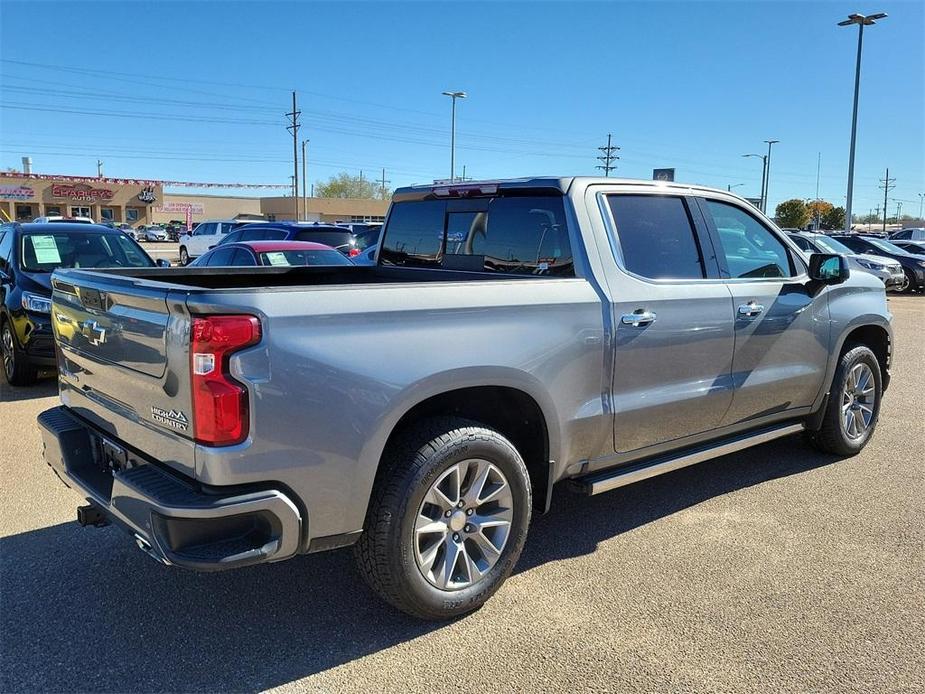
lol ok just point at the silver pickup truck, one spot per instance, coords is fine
(512, 335)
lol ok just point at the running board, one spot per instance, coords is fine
(611, 479)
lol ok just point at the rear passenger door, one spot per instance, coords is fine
(672, 368)
(781, 329)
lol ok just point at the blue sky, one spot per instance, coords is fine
(197, 91)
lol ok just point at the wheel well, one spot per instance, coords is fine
(878, 340)
(508, 411)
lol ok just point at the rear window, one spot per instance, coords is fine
(47, 252)
(335, 239)
(516, 235)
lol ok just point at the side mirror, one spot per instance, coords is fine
(163, 262)
(828, 268)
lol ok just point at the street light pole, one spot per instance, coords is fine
(764, 172)
(861, 21)
(453, 96)
(730, 186)
(767, 176)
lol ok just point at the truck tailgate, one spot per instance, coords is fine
(123, 360)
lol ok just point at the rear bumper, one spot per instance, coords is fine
(173, 519)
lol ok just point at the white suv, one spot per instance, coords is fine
(202, 238)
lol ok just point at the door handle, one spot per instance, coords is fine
(638, 318)
(750, 310)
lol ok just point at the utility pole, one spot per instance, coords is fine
(293, 127)
(304, 182)
(899, 210)
(383, 183)
(887, 184)
(870, 216)
(921, 200)
(609, 157)
(99, 168)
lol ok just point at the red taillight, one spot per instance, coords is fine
(353, 252)
(220, 414)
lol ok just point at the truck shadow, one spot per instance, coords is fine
(84, 609)
(46, 386)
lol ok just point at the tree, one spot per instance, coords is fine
(834, 218)
(818, 209)
(792, 214)
(344, 185)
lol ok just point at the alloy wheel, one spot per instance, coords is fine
(7, 348)
(858, 401)
(463, 524)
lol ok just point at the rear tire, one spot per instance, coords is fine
(909, 286)
(447, 519)
(854, 404)
(16, 367)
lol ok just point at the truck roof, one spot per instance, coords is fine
(540, 185)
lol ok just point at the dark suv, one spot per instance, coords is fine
(344, 239)
(913, 265)
(29, 253)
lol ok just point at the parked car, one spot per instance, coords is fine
(270, 253)
(55, 218)
(154, 233)
(339, 237)
(206, 235)
(913, 266)
(911, 234)
(887, 270)
(914, 247)
(367, 257)
(28, 255)
(514, 334)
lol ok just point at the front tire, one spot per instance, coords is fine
(184, 256)
(16, 367)
(854, 404)
(447, 519)
(909, 282)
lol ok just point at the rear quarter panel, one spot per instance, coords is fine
(338, 367)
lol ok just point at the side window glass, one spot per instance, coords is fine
(802, 243)
(233, 237)
(274, 234)
(6, 247)
(751, 249)
(253, 234)
(221, 257)
(656, 236)
(243, 258)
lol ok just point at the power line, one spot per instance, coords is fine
(609, 156)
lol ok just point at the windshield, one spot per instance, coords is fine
(885, 246)
(41, 252)
(832, 246)
(294, 257)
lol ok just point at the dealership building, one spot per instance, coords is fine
(23, 197)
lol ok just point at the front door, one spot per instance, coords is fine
(673, 325)
(781, 330)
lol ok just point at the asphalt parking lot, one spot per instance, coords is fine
(775, 569)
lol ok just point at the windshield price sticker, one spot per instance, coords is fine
(46, 250)
(277, 258)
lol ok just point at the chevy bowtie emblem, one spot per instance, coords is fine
(91, 330)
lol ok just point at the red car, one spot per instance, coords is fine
(272, 254)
